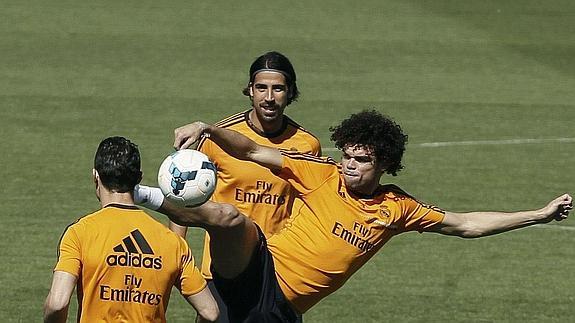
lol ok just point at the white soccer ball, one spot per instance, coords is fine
(187, 178)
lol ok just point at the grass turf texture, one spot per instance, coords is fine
(76, 72)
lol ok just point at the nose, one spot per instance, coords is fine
(351, 163)
(269, 95)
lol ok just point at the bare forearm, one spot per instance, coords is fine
(233, 143)
(205, 305)
(480, 224)
(241, 147)
(58, 300)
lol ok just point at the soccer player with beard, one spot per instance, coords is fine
(267, 199)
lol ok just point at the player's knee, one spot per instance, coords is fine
(229, 217)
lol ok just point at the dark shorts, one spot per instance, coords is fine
(254, 295)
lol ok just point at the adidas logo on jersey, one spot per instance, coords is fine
(134, 251)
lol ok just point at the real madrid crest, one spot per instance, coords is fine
(384, 211)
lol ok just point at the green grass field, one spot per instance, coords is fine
(74, 72)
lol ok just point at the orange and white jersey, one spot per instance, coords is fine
(126, 263)
(253, 189)
(334, 233)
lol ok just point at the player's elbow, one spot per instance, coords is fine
(462, 225)
(471, 230)
(471, 234)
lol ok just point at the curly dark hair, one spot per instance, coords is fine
(373, 130)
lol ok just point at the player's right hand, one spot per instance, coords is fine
(188, 135)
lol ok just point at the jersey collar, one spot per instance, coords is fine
(363, 201)
(121, 206)
(263, 133)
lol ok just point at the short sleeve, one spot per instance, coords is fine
(419, 216)
(206, 146)
(306, 172)
(191, 280)
(316, 148)
(70, 252)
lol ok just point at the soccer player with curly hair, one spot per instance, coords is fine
(346, 217)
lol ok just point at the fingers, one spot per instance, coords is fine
(190, 143)
(189, 134)
(178, 138)
(184, 137)
(186, 143)
(567, 202)
(562, 214)
(565, 206)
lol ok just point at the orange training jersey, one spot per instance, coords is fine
(333, 234)
(253, 189)
(126, 263)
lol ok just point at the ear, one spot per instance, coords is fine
(251, 89)
(95, 175)
(384, 168)
(290, 92)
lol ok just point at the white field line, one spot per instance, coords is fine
(495, 142)
(554, 227)
(483, 142)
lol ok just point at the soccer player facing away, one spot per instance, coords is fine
(345, 218)
(256, 192)
(123, 262)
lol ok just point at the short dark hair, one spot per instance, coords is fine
(117, 162)
(275, 61)
(376, 131)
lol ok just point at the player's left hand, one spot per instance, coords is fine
(559, 208)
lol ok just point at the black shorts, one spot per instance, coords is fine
(254, 295)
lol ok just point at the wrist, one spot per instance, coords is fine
(538, 216)
(206, 129)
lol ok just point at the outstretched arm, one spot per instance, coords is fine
(479, 224)
(232, 142)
